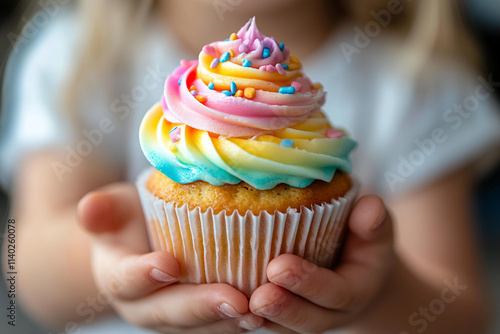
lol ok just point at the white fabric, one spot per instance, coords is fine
(383, 110)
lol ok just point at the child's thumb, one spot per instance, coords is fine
(112, 213)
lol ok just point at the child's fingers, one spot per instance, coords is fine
(186, 306)
(113, 216)
(368, 253)
(248, 322)
(321, 286)
(364, 265)
(291, 311)
(219, 327)
(114, 219)
(135, 276)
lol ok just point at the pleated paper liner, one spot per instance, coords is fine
(236, 249)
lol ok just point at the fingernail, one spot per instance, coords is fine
(250, 325)
(161, 276)
(228, 311)
(380, 220)
(270, 310)
(286, 278)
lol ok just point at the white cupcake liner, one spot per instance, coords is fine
(236, 249)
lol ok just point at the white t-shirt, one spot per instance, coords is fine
(409, 132)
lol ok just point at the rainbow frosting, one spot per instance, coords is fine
(244, 111)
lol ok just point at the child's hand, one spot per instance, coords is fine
(140, 283)
(306, 298)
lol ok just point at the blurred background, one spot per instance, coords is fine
(482, 17)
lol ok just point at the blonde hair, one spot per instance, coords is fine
(430, 28)
(112, 27)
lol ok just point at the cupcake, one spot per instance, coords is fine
(246, 165)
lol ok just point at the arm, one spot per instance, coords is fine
(53, 252)
(438, 284)
(377, 290)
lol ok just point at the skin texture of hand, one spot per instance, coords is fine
(305, 298)
(142, 284)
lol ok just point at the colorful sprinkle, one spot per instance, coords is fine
(175, 134)
(209, 50)
(226, 40)
(201, 98)
(282, 46)
(317, 86)
(271, 68)
(297, 86)
(226, 92)
(239, 93)
(266, 52)
(231, 52)
(232, 85)
(332, 133)
(280, 69)
(193, 87)
(294, 60)
(211, 85)
(285, 66)
(225, 57)
(249, 92)
(193, 92)
(233, 37)
(246, 63)
(214, 63)
(287, 90)
(179, 82)
(262, 68)
(287, 143)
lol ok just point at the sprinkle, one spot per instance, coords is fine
(297, 86)
(179, 82)
(262, 68)
(211, 85)
(271, 68)
(332, 133)
(226, 92)
(287, 143)
(201, 98)
(249, 92)
(317, 86)
(193, 87)
(209, 50)
(280, 69)
(287, 90)
(231, 52)
(175, 134)
(233, 87)
(214, 63)
(194, 92)
(225, 57)
(172, 147)
(266, 52)
(285, 66)
(282, 46)
(246, 63)
(294, 60)
(239, 93)
(226, 40)
(244, 48)
(233, 37)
